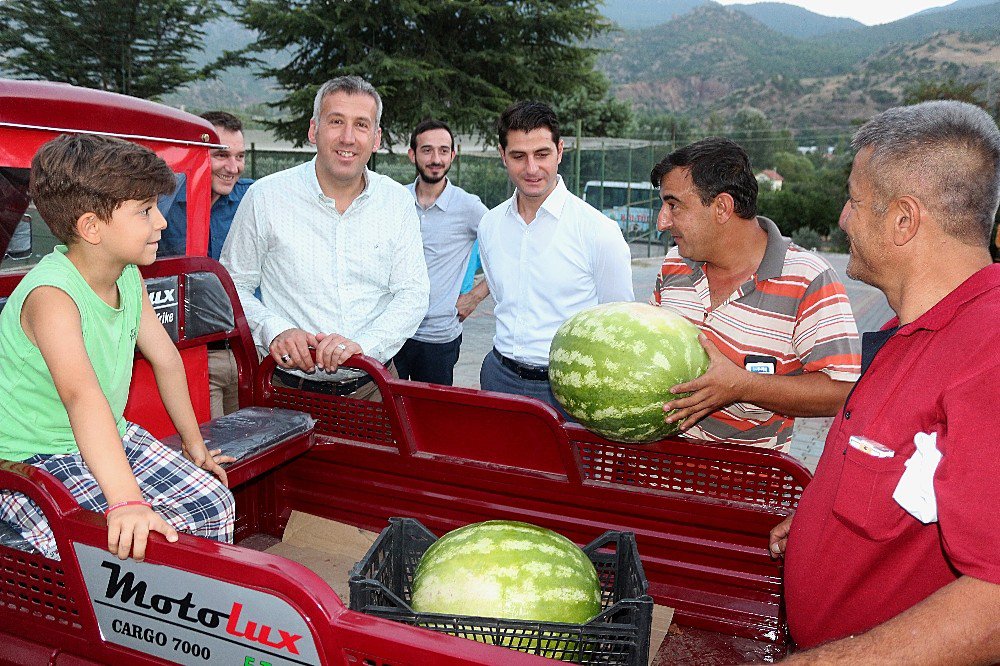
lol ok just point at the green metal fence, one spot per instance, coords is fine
(613, 176)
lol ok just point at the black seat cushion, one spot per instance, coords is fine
(250, 431)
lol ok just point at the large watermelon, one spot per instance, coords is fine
(611, 367)
(507, 569)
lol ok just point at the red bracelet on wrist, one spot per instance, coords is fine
(120, 505)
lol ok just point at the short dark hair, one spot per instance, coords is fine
(717, 165)
(224, 119)
(949, 151)
(75, 174)
(527, 116)
(426, 126)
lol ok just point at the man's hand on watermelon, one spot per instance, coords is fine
(722, 384)
(810, 393)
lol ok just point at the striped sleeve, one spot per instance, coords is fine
(825, 335)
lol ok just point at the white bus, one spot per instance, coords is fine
(633, 205)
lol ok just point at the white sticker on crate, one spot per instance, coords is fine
(191, 619)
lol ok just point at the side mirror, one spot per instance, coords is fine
(20, 242)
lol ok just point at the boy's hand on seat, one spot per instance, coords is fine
(210, 461)
(129, 528)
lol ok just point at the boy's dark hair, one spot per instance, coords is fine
(526, 116)
(428, 125)
(223, 119)
(717, 165)
(76, 174)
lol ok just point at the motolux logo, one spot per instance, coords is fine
(239, 623)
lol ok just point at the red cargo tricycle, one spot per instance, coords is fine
(445, 456)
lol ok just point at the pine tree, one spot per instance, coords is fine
(139, 47)
(462, 61)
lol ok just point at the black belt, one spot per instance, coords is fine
(345, 387)
(532, 372)
(218, 345)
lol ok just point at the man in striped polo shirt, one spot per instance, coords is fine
(775, 318)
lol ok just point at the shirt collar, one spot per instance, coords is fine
(443, 200)
(553, 204)
(980, 282)
(556, 201)
(774, 254)
(312, 182)
(232, 194)
(181, 195)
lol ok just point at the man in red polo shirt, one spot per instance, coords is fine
(894, 552)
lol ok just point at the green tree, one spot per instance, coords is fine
(794, 167)
(752, 130)
(924, 91)
(461, 60)
(813, 203)
(140, 48)
(592, 103)
(672, 128)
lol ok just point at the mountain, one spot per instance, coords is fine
(704, 55)
(959, 4)
(719, 58)
(796, 21)
(879, 81)
(785, 18)
(235, 88)
(979, 19)
(638, 14)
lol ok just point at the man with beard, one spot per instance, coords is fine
(892, 553)
(334, 249)
(449, 218)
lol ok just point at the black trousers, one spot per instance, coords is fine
(432, 362)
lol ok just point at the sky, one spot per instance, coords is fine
(869, 12)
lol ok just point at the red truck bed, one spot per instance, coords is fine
(445, 456)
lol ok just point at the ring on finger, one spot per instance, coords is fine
(285, 358)
(341, 346)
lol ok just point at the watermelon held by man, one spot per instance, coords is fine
(611, 367)
(510, 570)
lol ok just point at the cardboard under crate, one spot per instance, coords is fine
(331, 549)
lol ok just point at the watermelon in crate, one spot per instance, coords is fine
(572, 621)
(611, 367)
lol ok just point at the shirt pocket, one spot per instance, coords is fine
(747, 410)
(864, 501)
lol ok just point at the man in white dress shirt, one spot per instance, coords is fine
(335, 250)
(546, 254)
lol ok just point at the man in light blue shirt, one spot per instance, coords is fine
(449, 218)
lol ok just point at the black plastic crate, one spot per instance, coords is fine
(381, 585)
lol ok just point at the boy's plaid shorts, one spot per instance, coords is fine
(187, 497)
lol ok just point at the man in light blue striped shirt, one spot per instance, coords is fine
(449, 218)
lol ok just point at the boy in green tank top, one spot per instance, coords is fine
(67, 339)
